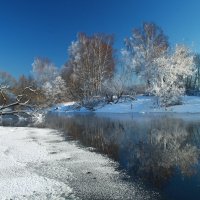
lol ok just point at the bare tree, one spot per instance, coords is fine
(91, 62)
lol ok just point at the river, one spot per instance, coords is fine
(158, 152)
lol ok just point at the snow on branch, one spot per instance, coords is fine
(21, 100)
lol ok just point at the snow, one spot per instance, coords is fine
(191, 104)
(17, 181)
(142, 104)
(37, 164)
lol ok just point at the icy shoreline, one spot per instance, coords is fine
(38, 164)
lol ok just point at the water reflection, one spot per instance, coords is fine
(166, 148)
(152, 149)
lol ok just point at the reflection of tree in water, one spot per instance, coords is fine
(194, 133)
(165, 149)
(150, 150)
(91, 132)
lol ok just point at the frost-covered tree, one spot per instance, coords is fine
(197, 74)
(169, 74)
(7, 82)
(48, 80)
(163, 71)
(192, 83)
(29, 81)
(114, 89)
(144, 46)
(54, 90)
(7, 79)
(91, 62)
(43, 70)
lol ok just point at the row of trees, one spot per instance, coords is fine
(93, 72)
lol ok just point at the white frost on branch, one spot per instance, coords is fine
(168, 75)
(54, 90)
(43, 70)
(48, 80)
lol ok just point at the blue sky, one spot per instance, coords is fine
(45, 28)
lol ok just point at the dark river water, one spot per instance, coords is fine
(161, 151)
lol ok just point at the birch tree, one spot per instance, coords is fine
(91, 62)
(144, 46)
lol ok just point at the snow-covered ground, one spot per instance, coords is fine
(20, 150)
(142, 104)
(38, 164)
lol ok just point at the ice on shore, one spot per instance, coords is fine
(38, 164)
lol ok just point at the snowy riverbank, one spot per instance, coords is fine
(20, 150)
(38, 164)
(142, 104)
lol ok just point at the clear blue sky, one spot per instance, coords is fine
(45, 28)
